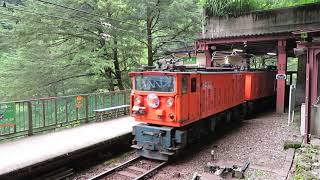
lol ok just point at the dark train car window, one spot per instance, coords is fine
(193, 84)
(184, 85)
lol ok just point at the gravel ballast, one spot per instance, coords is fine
(258, 140)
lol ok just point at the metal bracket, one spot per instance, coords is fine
(167, 153)
(136, 147)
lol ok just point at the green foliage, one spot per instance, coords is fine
(306, 163)
(167, 23)
(236, 7)
(272, 4)
(291, 144)
(53, 51)
(47, 50)
(225, 7)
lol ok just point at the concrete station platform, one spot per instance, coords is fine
(22, 153)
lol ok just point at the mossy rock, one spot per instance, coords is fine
(291, 144)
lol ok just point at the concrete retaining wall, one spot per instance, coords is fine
(264, 22)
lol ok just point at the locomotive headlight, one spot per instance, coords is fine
(153, 100)
(170, 101)
(138, 100)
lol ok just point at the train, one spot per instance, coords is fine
(176, 108)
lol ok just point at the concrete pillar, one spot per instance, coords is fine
(282, 69)
(314, 70)
(311, 86)
(303, 83)
(307, 102)
(318, 60)
(301, 79)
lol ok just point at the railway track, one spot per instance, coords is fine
(137, 169)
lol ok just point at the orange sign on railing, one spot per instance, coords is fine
(79, 102)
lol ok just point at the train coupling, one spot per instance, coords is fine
(156, 142)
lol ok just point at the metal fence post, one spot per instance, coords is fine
(87, 109)
(110, 95)
(124, 97)
(95, 102)
(66, 109)
(55, 112)
(30, 125)
(43, 113)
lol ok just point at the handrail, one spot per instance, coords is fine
(59, 97)
(27, 117)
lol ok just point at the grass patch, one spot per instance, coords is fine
(259, 173)
(256, 174)
(304, 161)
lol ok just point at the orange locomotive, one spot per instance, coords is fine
(177, 107)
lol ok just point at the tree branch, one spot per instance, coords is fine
(92, 32)
(77, 64)
(157, 19)
(156, 5)
(172, 38)
(61, 41)
(139, 40)
(158, 16)
(71, 77)
(78, 36)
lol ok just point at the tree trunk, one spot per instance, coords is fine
(116, 64)
(149, 37)
(108, 76)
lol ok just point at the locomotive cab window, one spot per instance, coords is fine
(184, 86)
(193, 84)
(156, 83)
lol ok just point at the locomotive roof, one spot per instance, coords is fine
(194, 72)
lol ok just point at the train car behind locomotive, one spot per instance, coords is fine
(259, 84)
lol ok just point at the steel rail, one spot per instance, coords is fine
(125, 165)
(145, 175)
(112, 170)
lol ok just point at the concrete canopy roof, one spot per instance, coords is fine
(257, 48)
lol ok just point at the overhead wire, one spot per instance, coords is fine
(9, 15)
(87, 20)
(49, 24)
(41, 22)
(86, 12)
(92, 22)
(47, 15)
(93, 14)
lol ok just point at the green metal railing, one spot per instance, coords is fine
(28, 117)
